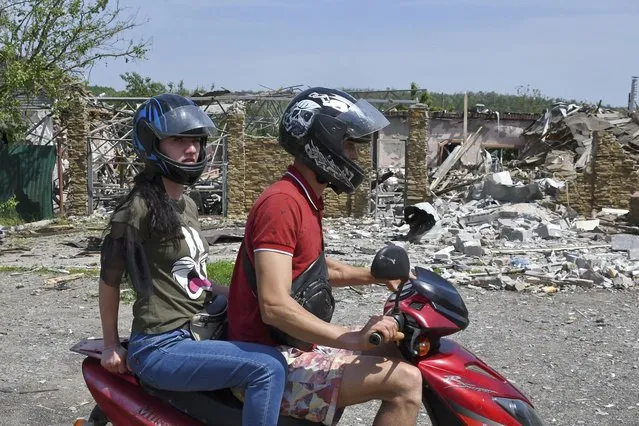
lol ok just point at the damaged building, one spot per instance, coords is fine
(594, 151)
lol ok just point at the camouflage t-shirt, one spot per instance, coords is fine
(169, 277)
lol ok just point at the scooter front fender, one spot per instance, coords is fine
(459, 388)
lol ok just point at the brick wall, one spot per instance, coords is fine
(75, 119)
(256, 162)
(416, 156)
(608, 181)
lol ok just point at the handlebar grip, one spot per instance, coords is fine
(375, 339)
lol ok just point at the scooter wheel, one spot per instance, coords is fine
(97, 417)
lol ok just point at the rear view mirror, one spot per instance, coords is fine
(391, 263)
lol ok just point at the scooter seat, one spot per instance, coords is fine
(215, 408)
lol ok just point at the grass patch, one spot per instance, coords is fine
(8, 214)
(89, 272)
(15, 269)
(220, 271)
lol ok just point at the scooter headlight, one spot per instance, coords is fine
(521, 411)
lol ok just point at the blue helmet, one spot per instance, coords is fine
(168, 115)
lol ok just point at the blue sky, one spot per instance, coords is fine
(585, 49)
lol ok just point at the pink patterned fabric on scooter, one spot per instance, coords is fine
(314, 379)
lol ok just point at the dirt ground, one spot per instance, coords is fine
(573, 353)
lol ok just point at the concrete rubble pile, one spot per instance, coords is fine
(561, 140)
(500, 234)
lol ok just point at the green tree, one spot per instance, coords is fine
(139, 86)
(414, 87)
(47, 44)
(108, 91)
(179, 89)
(422, 96)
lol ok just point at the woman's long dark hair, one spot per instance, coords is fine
(163, 218)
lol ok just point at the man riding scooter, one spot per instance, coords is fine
(280, 291)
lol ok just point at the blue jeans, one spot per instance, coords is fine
(174, 361)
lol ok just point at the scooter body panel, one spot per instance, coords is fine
(124, 401)
(468, 386)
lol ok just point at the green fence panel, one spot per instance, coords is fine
(26, 171)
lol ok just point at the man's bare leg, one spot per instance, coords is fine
(396, 383)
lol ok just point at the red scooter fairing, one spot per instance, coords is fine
(469, 388)
(459, 388)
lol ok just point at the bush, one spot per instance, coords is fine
(8, 214)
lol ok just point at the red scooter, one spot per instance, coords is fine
(458, 388)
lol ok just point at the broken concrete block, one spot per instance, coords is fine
(508, 283)
(362, 233)
(549, 230)
(511, 193)
(521, 285)
(563, 223)
(473, 248)
(633, 254)
(583, 263)
(622, 282)
(502, 178)
(477, 219)
(527, 224)
(462, 238)
(509, 214)
(613, 212)
(586, 225)
(515, 234)
(593, 276)
(571, 257)
(444, 254)
(333, 235)
(625, 242)
(579, 282)
(499, 262)
(491, 283)
(507, 222)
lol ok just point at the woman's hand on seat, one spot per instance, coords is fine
(114, 360)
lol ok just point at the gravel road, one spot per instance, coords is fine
(573, 353)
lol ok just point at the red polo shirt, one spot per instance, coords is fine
(287, 219)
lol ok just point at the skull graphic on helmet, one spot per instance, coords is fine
(298, 119)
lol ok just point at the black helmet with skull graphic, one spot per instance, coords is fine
(314, 127)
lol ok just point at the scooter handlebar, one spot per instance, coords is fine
(375, 339)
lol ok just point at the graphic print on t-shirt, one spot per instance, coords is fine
(190, 271)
